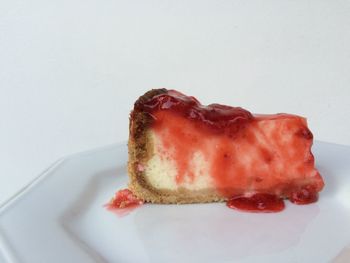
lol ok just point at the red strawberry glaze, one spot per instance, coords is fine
(266, 203)
(303, 196)
(123, 202)
(242, 155)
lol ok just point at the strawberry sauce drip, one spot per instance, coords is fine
(306, 195)
(123, 202)
(266, 203)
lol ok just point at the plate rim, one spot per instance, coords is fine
(5, 249)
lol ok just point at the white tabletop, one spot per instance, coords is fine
(71, 70)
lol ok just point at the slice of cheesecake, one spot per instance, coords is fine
(183, 152)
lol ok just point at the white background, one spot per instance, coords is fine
(70, 70)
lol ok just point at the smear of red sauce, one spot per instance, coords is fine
(184, 126)
(266, 203)
(123, 202)
(303, 196)
(270, 203)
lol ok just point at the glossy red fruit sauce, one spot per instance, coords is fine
(123, 202)
(266, 203)
(305, 195)
(214, 116)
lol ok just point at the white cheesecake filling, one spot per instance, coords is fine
(161, 170)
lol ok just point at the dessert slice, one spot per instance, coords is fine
(183, 152)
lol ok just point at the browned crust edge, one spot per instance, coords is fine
(138, 146)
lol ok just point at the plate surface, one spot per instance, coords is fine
(60, 218)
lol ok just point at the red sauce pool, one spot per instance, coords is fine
(257, 203)
(269, 203)
(304, 196)
(123, 202)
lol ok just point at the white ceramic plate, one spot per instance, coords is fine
(60, 218)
